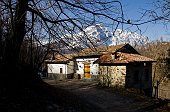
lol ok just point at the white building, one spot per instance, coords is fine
(60, 68)
(119, 65)
(85, 68)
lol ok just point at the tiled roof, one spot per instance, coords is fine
(61, 58)
(86, 52)
(64, 57)
(122, 58)
(106, 54)
(134, 57)
(99, 50)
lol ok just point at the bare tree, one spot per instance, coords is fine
(162, 6)
(54, 20)
(159, 51)
(160, 12)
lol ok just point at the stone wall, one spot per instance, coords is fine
(112, 75)
(134, 75)
(164, 90)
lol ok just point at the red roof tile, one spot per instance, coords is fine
(122, 58)
(107, 55)
(61, 58)
(134, 57)
(99, 50)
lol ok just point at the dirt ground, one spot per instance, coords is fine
(106, 99)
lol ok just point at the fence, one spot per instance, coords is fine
(161, 90)
(164, 92)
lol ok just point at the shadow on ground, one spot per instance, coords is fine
(110, 99)
(42, 97)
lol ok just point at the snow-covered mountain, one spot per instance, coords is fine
(96, 35)
(121, 37)
(99, 34)
(92, 36)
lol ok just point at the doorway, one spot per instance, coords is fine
(87, 71)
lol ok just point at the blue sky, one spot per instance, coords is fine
(134, 8)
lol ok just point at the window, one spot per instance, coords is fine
(61, 70)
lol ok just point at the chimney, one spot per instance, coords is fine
(115, 55)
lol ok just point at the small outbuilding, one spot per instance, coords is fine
(61, 67)
(126, 68)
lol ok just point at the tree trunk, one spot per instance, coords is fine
(0, 39)
(14, 41)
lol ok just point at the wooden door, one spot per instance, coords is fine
(87, 71)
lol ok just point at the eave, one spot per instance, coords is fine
(56, 62)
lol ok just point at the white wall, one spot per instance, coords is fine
(70, 67)
(55, 68)
(67, 68)
(94, 68)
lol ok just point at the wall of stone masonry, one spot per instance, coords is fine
(112, 75)
(134, 75)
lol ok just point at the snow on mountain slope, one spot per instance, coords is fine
(103, 36)
(121, 37)
(96, 35)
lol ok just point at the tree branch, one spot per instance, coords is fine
(46, 19)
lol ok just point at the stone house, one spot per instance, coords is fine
(126, 70)
(84, 61)
(119, 65)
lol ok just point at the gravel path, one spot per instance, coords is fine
(103, 99)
